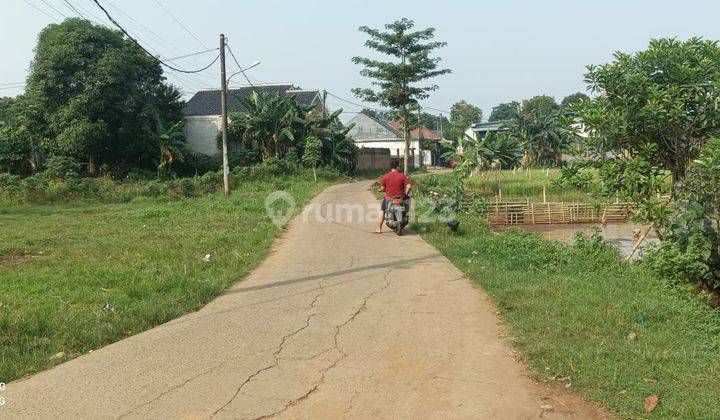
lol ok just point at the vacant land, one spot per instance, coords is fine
(593, 323)
(74, 277)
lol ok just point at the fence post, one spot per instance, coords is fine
(532, 212)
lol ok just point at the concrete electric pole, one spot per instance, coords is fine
(223, 105)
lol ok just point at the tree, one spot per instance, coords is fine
(462, 116)
(661, 103)
(172, 146)
(541, 131)
(96, 96)
(690, 249)
(504, 112)
(312, 154)
(396, 82)
(270, 123)
(539, 106)
(575, 98)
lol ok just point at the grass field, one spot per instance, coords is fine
(570, 311)
(525, 184)
(74, 277)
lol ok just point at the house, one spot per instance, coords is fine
(480, 130)
(428, 135)
(203, 113)
(370, 132)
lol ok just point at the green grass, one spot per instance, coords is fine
(525, 184)
(570, 309)
(74, 277)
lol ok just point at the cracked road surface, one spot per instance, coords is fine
(337, 322)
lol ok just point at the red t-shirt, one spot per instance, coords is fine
(394, 183)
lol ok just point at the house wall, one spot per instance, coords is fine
(395, 146)
(373, 158)
(201, 133)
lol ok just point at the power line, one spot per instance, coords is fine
(180, 23)
(194, 81)
(12, 87)
(92, 17)
(356, 104)
(12, 84)
(114, 22)
(239, 66)
(53, 8)
(74, 9)
(434, 109)
(192, 55)
(42, 11)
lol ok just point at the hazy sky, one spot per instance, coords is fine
(498, 51)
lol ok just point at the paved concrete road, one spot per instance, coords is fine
(337, 322)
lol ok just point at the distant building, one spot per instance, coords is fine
(203, 114)
(480, 130)
(375, 133)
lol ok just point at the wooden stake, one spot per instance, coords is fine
(637, 244)
(544, 194)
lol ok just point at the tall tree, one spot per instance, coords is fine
(505, 111)
(97, 95)
(462, 116)
(396, 82)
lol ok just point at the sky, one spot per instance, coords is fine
(498, 51)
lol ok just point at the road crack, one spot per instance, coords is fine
(277, 352)
(338, 329)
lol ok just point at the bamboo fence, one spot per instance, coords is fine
(529, 213)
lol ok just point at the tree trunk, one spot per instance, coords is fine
(406, 135)
(314, 174)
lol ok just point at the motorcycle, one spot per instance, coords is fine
(397, 215)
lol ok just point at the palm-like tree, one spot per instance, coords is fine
(269, 122)
(493, 149)
(543, 137)
(172, 146)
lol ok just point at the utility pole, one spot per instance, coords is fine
(223, 105)
(420, 148)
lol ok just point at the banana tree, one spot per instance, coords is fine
(172, 144)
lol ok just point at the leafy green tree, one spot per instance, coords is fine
(434, 122)
(462, 116)
(539, 106)
(96, 96)
(396, 82)
(573, 99)
(505, 111)
(542, 132)
(661, 102)
(690, 250)
(312, 154)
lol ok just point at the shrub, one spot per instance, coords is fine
(690, 249)
(61, 167)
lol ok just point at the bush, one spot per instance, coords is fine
(61, 167)
(690, 249)
(10, 188)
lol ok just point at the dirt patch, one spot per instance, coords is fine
(18, 257)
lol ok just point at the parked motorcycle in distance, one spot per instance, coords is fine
(397, 215)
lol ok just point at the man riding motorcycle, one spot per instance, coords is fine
(394, 183)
